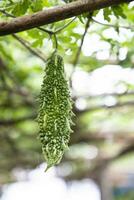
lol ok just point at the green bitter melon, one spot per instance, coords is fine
(55, 112)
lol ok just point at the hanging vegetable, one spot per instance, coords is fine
(55, 112)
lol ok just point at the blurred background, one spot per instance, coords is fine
(99, 164)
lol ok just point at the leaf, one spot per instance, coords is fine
(118, 11)
(46, 3)
(95, 13)
(34, 33)
(37, 43)
(37, 5)
(20, 8)
(82, 19)
(106, 14)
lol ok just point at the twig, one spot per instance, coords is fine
(46, 30)
(27, 46)
(82, 41)
(58, 30)
(6, 13)
(66, 25)
(112, 25)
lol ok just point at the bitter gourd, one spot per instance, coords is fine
(55, 111)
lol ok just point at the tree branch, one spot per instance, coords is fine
(55, 14)
(96, 137)
(103, 95)
(9, 122)
(103, 106)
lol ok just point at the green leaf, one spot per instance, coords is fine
(106, 14)
(37, 43)
(34, 33)
(37, 5)
(118, 11)
(20, 8)
(82, 19)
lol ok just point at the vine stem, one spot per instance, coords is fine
(56, 42)
(65, 26)
(58, 30)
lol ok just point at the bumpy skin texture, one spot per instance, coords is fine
(55, 112)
